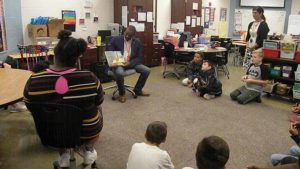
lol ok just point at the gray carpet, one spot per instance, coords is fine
(253, 131)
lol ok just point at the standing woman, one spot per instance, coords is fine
(257, 32)
(62, 83)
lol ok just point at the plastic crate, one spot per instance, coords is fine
(296, 91)
(271, 53)
(287, 50)
(297, 56)
(297, 76)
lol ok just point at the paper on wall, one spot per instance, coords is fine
(193, 23)
(180, 26)
(198, 21)
(195, 6)
(188, 20)
(142, 16)
(124, 16)
(174, 26)
(140, 27)
(149, 16)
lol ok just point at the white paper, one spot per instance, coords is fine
(132, 20)
(198, 21)
(142, 16)
(88, 4)
(193, 23)
(140, 27)
(149, 16)
(180, 26)
(195, 6)
(174, 26)
(124, 16)
(188, 20)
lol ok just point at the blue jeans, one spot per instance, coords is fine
(119, 73)
(294, 152)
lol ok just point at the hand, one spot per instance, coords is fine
(244, 78)
(293, 131)
(190, 85)
(296, 109)
(126, 64)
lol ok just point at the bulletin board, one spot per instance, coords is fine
(3, 41)
(294, 25)
(275, 20)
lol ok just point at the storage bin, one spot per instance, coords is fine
(271, 53)
(296, 91)
(275, 73)
(297, 76)
(297, 56)
(287, 50)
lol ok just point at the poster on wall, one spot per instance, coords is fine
(3, 43)
(70, 20)
(223, 14)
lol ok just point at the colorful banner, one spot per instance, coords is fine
(69, 20)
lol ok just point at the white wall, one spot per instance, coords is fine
(295, 7)
(163, 17)
(104, 9)
(217, 4)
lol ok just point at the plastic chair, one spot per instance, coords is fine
(222, 60)
(129, 88)
(31, 54)
(58, 126)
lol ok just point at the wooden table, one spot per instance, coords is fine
(202, 49)
(12, 85)
(237, 56)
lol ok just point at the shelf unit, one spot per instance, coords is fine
(286, 80)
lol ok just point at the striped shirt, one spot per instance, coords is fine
(85, 92)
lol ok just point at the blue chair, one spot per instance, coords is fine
(128, 88)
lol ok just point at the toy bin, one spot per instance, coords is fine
(271, 53)
(296, 91)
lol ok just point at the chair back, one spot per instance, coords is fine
(168, 50)
(107, 41)
(58, 125)
(31, 54)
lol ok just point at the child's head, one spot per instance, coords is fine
(68, 49)
(257, 57)
(156, 132)
(207, 65)
(198, 57)
(212, 153)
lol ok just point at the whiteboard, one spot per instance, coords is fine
(264, 3)
(275, 19)
(294, 25)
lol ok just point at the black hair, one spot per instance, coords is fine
(131, 29)
(68, 48)
(40, 66)
(201, 54)
(260, 10)
(210, 63)
(212, 153)
(156, 132)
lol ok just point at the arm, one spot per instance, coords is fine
(248, 34)
(136, 57)
(258, 82)
(99, 98)
(190, 72)
(262, 34)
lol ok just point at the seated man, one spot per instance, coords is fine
(131, 50)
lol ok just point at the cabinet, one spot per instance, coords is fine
(182, 8)
(157, 54)
(145, 37)
(285, 80)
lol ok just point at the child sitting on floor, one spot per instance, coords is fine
(193, 69)
(256, 77)
(207, 85)
(148, 155)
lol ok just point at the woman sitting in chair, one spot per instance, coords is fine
(62, 83)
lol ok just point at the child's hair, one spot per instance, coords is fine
(156, 132)
(258, 52)
(210, 63)
(68, 48)
(212, 153)
(200, 54)
(40, 66)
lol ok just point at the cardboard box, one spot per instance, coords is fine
(37, 30)
(54, 26)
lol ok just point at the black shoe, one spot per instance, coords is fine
(258, 99)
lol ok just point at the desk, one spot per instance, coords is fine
(208, 50)
(12, 85)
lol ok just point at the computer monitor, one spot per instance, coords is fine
(214, 38)
(103, 34)
(185, 36)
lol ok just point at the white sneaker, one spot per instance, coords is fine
(64, 159)
(89, 157)
(208, 96)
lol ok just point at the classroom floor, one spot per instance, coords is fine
(20, 147)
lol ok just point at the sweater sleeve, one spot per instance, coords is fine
(248, 32)
(262, 34)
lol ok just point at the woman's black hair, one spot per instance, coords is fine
(68, 48)
(260, 10)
